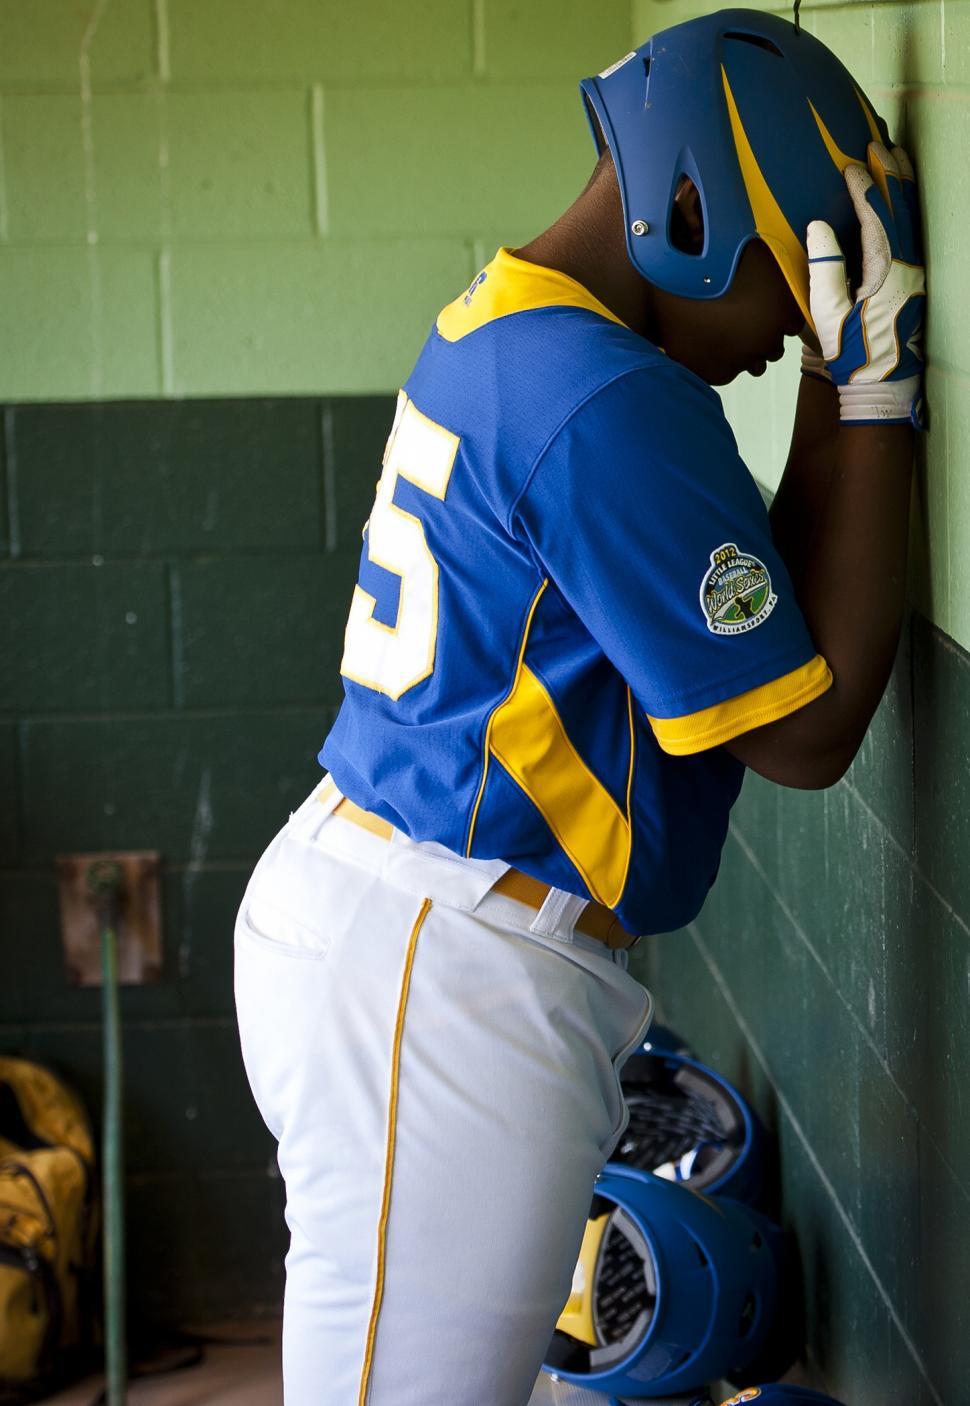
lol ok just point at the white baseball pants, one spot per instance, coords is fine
(440, 1066)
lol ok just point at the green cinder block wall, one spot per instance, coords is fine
(224, 230)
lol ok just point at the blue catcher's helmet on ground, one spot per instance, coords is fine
(689, 1124)
(549, 1391)
(776, 1394)
(672, 1290)
(762, 117)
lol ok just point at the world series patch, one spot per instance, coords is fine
(736, 592)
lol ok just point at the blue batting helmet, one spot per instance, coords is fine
(762, 117)
(672, 1289)
(689, 1124)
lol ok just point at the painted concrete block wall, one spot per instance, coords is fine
(270, 196)
(171, 634)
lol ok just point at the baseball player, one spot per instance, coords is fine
(575, 625)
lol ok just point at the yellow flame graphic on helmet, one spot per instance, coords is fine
(769, 218)
(840, 158)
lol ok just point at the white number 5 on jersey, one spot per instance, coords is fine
(393, 658)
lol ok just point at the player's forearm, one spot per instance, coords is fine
(799, 502)
(852, 589)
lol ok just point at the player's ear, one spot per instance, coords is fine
(687, 218)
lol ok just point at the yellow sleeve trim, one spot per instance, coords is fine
(696, 731)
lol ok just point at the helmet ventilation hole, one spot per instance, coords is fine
(757, 39)
(680, 234)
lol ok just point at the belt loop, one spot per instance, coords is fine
(320, 803)
(558, 914)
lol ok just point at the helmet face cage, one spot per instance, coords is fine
(762, 117)
(689, 1124)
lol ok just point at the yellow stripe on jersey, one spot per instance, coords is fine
(528, 738)
(488, 729)
(509, 284)
(769, 218)
(695, 731)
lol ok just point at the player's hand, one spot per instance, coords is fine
(871, 342)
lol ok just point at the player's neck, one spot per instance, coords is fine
(588, 244)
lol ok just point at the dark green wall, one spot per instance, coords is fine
(173, 586)
(829, 972)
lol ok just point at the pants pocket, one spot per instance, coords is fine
(266, 924)
(619, 1060)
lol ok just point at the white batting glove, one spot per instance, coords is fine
(871, 345)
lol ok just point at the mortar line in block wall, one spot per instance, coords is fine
(176, 658)
(13, 501)
(91, 200)
(478, 38)
(299, 82)
(911, 647)
(166, 334)
(870, 1042)
(213, 712)
(318, 166)
(173, 1023)
(163, 41)
(328, 474)
(817, 1167)
(4, 216)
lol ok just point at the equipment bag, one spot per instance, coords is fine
(48, 1229)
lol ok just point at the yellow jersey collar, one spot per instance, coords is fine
(509, 284)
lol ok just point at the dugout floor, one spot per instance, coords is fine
(245, 1373)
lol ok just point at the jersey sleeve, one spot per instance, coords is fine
(642, 513)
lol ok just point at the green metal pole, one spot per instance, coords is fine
(107, 879)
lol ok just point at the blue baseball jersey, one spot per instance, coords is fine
(568, 596)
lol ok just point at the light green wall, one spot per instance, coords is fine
(242, 197)
(914, 62)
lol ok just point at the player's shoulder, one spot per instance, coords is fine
(523, 329)
(520, 317)
(527, 358)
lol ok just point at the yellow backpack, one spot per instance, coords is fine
(48, 1228)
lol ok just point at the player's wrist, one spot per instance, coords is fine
(813, 364)
(882, 402)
